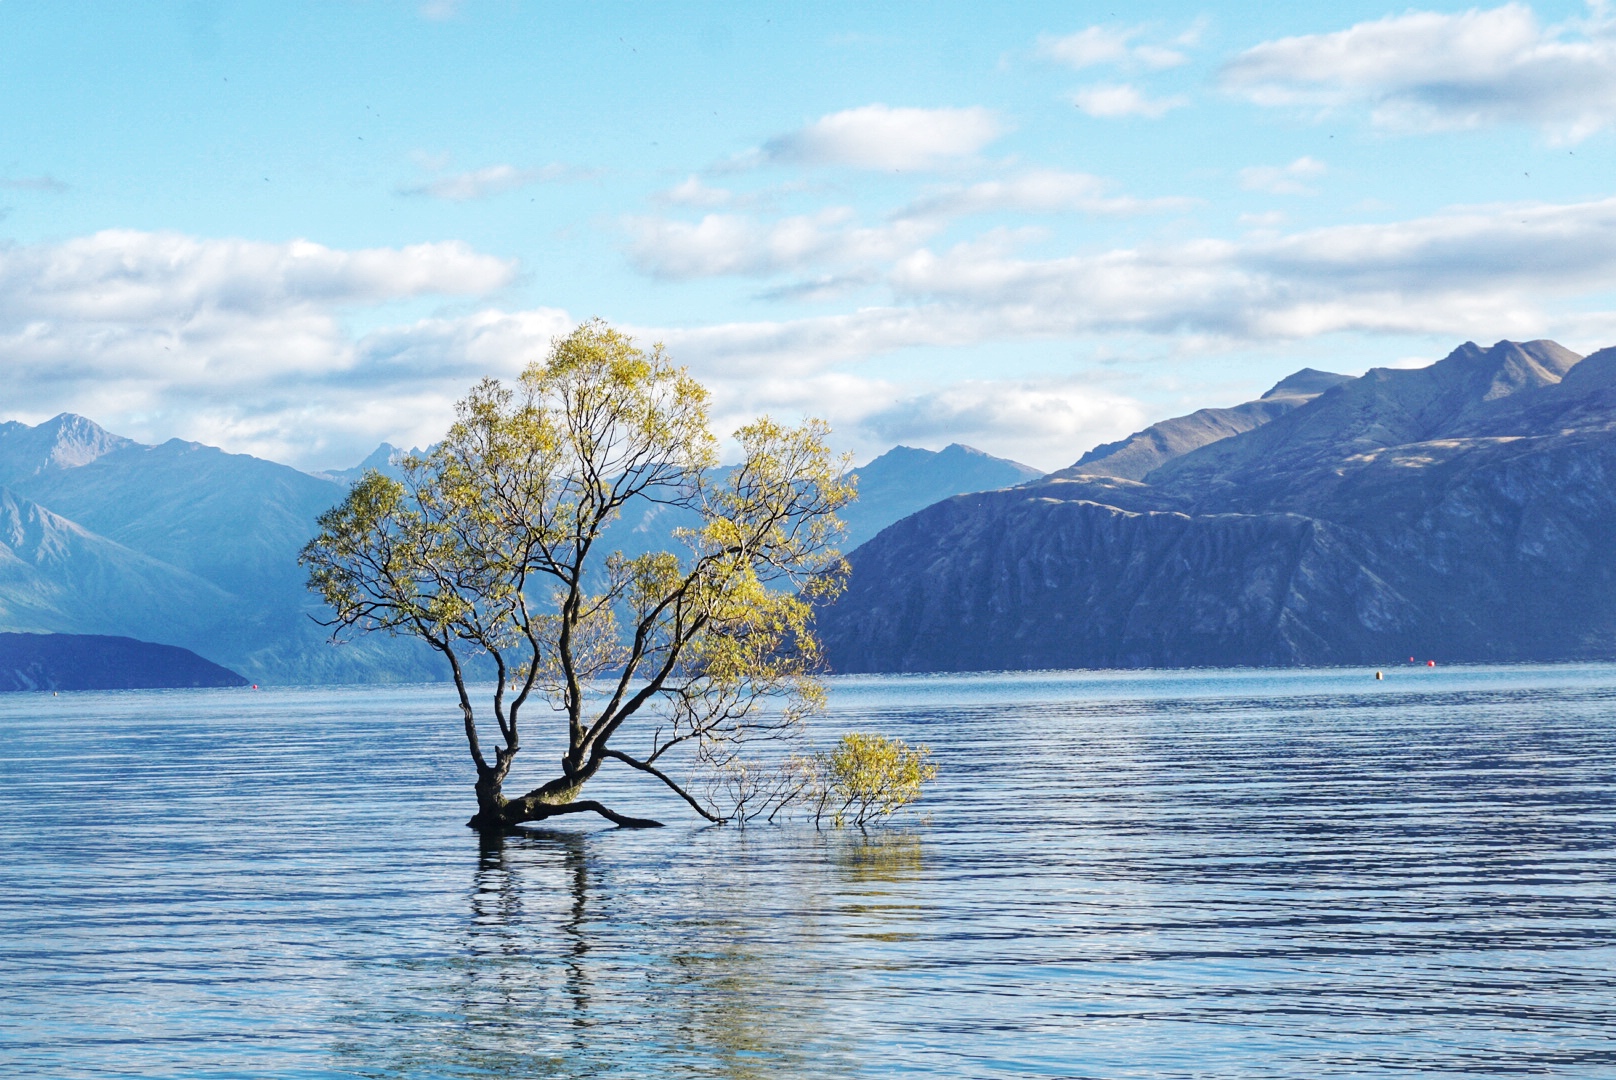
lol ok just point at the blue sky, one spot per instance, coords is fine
(298, 230)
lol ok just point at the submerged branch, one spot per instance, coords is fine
(586, 806)
(647, 767)
(516, 815)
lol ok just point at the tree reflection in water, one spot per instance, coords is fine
(709, 959)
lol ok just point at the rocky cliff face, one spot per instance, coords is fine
(63, 442)
(1464, 511)
(1143, 452)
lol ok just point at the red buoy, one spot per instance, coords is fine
(1430, 663)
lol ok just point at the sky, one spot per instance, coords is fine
(298, 230)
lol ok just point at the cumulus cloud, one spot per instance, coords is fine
(1480, 272)
(1429, 70)
(1283, 179)
(492, 180)
(734, 244)
(141, 278)
(886, 138)
(1038, 191)
(246, 343)
(1113, 101)
(134, 327)
(821, 288)
(1046, 422)
(1457, 273)
(691, 191)
(696, 193)
(1268, 219)
(1097, 45)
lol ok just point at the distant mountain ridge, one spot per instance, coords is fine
(906, 479)
(180, 544)
(384, 459)
(1464, 511)
(1136, 456)
(891, 486)
(186, 545)
(63, 442)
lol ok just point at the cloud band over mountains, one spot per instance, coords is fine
(256, 339)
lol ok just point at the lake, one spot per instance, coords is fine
(1169, 874)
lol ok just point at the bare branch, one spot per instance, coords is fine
(646, 767)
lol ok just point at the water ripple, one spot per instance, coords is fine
(1186, 874)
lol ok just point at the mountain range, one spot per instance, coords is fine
(183, 544)
(1464, 511)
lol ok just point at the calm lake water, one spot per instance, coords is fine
(1196, 874)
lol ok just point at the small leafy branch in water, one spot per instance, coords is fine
(865, 777)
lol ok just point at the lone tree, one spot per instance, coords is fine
(493, 544)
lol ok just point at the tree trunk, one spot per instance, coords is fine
(495, 813)
(490, 802)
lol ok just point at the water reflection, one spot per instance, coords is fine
(558, 969)
(882, 855)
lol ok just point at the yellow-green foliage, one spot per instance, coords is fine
(868, 776)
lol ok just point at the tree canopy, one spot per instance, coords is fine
(493, 545)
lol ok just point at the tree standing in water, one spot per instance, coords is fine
(493, 544)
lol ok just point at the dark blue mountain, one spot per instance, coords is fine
(1461, 512)
(98, 662)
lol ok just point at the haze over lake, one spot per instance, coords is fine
(1185, 874)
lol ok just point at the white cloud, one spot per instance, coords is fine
(1046, 422)
(159, 333)
(139, 278)
(1283, 179)
(733, 244)
(1097, 45)
(1469, 272)
(245, 344)
(490, 181)
(882, 137)
(822, 288)
(1268, 219)
(692, 192)
(1038, 191)
(1480, 272)
(1113, 101)
(1427, 70)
